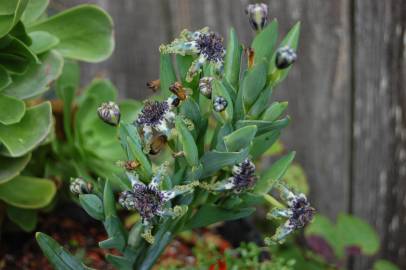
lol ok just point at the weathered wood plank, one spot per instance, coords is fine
(379, 182)
(318, 91)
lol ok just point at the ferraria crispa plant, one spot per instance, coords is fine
(216, 118)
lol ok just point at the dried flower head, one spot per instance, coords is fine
(154, 85)
(207, 46)
(257, 16)
(285, 57)
(298, 214)
(79, 186)
(219, 104)
(205, 86)
(109, 112)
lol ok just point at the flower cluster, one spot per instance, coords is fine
(243, 178)
(207, 46)
(299, 213)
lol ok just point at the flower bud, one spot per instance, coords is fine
(109, 112)
(205, 86)
(79, 186)
(285, 56)
(220, 104)
(257, 15)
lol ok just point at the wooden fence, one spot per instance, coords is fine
(346, 94)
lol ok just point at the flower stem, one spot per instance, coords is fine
(273, 201)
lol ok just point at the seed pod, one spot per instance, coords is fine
(205, 86)
(257, 15)
(109, 112)
(285, 56)
(220, 104)
(79, 186)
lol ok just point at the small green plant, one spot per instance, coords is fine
(33, 48)
(215, 118)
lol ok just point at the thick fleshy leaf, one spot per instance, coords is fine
(263, 142)
(42, 41)
(26, 219)
(264, 126)
(92, 204)
(273, 174)
(264, 42)
(167, 74)
(253, 83)
(11, 110)
(119, 262)
(20, 33)
(28, 192)
(384, 265)
(11, 167)
(56, 254)
(34, 10)
(260, 104)
(155, 250)
(213, 161)
(233, 59)
(274, 111)
(10, 13)
(37, 78)
(5, 78)
(239, 139)
(188, 143)
(85, 33)
(209, 214)
(20, 138)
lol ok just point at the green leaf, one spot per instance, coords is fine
(10, 13)
(5, 78)
(353, 231)
(254, 83)
(85, 33)
(261, 103)
(264, 42)
(384, 265)
(56, 254)
(214, 160)
(34, 10)
(15, 56)
(155, 250)
(264, 126)
(291, 40)
(20, 33)
(20, 138)
(209, 214)
(263, 142)
(166, 74)
(28, 192)
(273, 174)
(26, 219)
(129, 110)
(11, 110)
(42, 41)
(109, 204)
(274, 111)
(11, 167)
(239, 139)
(188, 143)
(119, 262)
(116, 234)
(233, 59)
(37, 78)
(92, 205)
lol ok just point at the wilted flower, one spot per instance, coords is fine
(154, 85)
(219, 104)
(157, 116)
(299, 213)
(243, 178)
(149, 200)
(205, 86)
(257, 15)
(79, 186)
(109, 112)
(285, 56)
(208, 46)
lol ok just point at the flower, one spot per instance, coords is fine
(109, 112)
(205, 86)
(243, 178)
(257, 15)
(79, 186)
(207, 46)
(285, 56)
(298, 214)
(157, 116)
(149, 200)
(219, 104)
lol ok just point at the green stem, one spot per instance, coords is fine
(273, 201)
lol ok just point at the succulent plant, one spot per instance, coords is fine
(215, 141)
(33, 48)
